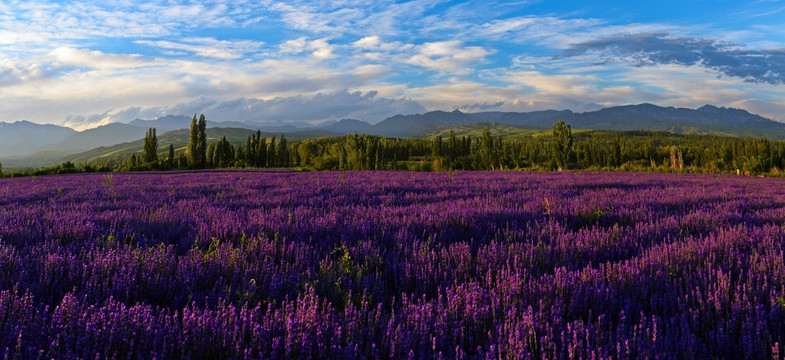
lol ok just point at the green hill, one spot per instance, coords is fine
(505, 130)
(180, 139)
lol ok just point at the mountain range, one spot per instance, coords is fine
(26, 144)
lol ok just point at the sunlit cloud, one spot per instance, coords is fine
(448, 56)
(209, 47)
(315, 109)
(89, 63)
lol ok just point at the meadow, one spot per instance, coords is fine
(510, 265)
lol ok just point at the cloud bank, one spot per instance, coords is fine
(78, 62)
(313, 109)
(767, 66)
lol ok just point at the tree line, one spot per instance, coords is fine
(559, 150)
(611, 150)
(259, 152)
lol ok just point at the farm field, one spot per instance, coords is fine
(251, 265)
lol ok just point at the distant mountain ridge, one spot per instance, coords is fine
(705, 120)
(24, 137)
(24, 143)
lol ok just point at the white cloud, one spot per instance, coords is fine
(67, 57)
(375, 43)
(368, 43)
(319, 48)
(336, 18)
(448, 56)
(209, 47)
(84, 122)
(544, 29)
(322, 49)
(300, 18)
(456, 93)
(27, 73)
(315, 108)
(562, 84)
(79, 81)
(40, 22)
(294, 46)
(60, 58)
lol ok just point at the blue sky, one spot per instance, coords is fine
(84, 64)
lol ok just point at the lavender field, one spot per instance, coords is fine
(392, 265)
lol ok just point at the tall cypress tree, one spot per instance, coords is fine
(150, 146)
(202, 146)
(271, 159)
(257, 150)
(171, 156)
(193, 157)
(210, 156)
(261, 156)
(283, 152)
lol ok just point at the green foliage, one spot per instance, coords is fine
(272, 160)
(562, 148)
(357, 152)
(781, 302)
(490, 151)
(561, 144)
(221, 154)
(150, 147)
(474, 130)
(193, 156)
(201, 148)
(108, 180)
(256, 150)
(283, 153)
(210, 154)
(171, 161)
(197, 146)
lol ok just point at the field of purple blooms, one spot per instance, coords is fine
(392, 265)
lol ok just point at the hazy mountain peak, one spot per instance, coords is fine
(24, 137)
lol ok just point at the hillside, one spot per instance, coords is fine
(497, 129)
(24, 137)
(347, 126)
(25, 144)
(707, 120)
(180, 139)
(412, 125)
(105, 135)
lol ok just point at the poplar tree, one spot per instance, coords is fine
(436, 146)
(202, 145)
(197, 147)
(210, 156)
(488, 154)
(150, 146)
(171, 156)
(271, 159)
(193, 158)
(562, 144)
(283, 152)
